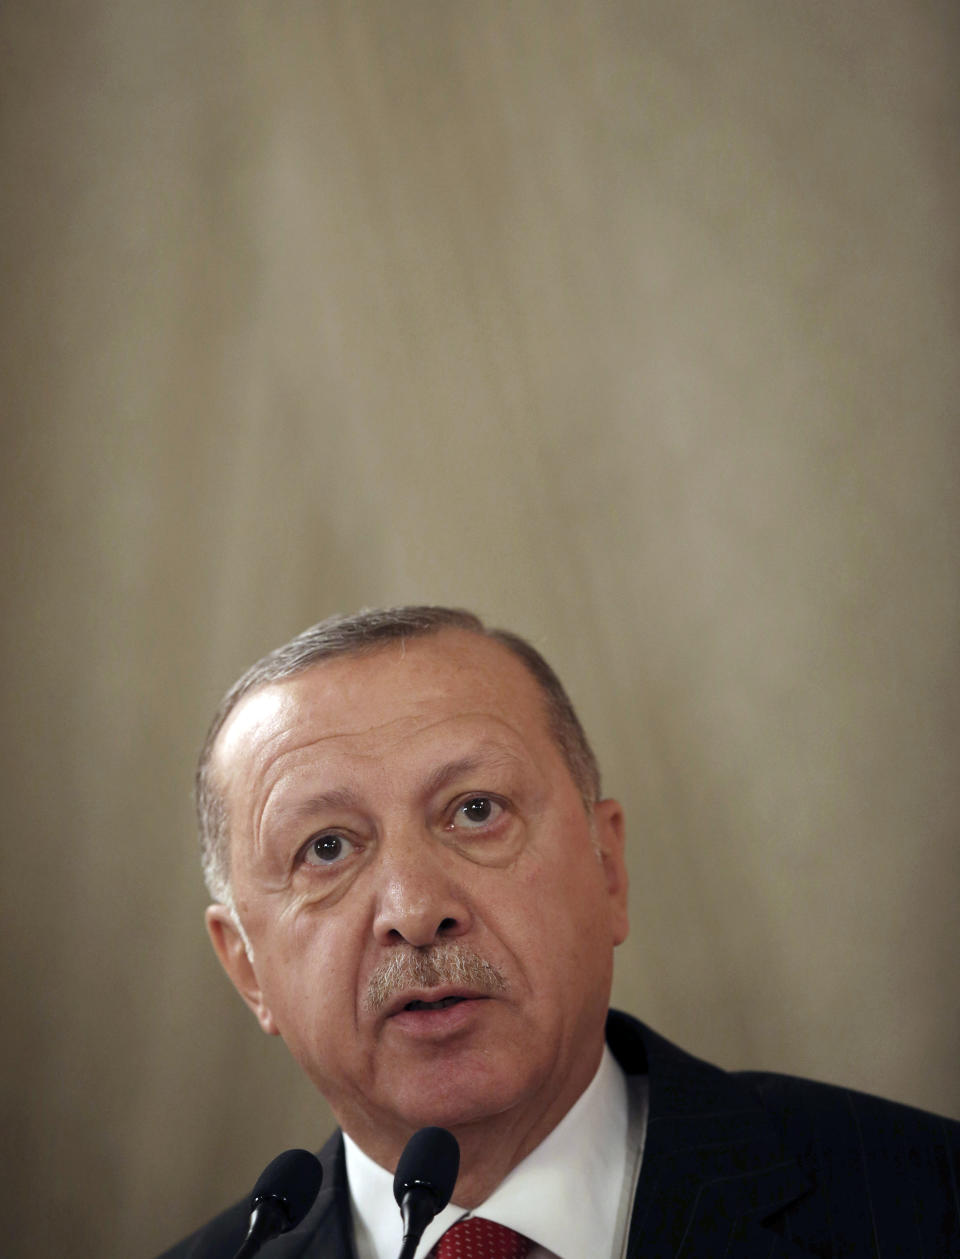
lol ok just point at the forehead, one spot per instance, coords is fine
(382, 696)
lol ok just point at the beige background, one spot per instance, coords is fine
(633, 326)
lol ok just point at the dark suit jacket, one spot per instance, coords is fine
(736, 1166)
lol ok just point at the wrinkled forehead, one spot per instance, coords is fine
(382, 695)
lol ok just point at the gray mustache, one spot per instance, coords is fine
(432, 967)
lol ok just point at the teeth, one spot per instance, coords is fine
(432, 1005)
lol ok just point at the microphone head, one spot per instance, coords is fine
(292, 1181)
(431, 1161)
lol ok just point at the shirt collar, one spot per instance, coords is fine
(564, 1195)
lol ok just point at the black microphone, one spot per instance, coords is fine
(283, 1195)
(424, 1181)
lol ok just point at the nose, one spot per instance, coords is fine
(419, 901)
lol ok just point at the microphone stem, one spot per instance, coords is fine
(266, 1221)
(417, 1208)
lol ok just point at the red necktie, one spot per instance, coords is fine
(481, 1239)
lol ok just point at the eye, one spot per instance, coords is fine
(327, 850)
(475, 812)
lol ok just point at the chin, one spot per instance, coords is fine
(452, 1101)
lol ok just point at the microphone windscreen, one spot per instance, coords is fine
(431, 1158)
(293, 1179)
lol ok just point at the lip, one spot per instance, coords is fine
(430, 996)
(430, 1024)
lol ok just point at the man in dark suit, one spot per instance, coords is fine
(419, 887)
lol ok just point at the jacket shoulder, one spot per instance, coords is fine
(810, 1110)
(868, 1177)
(880, 1169)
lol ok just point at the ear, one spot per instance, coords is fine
(610, 832)
(229, 946)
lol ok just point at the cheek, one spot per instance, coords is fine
(552, 914)
(572, 910)
(310, 968)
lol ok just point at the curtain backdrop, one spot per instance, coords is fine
(631, 325)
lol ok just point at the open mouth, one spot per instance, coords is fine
(433, 1005)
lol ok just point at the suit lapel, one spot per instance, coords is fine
(712, 1168)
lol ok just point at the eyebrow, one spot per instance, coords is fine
(452, 770)
(336, 798)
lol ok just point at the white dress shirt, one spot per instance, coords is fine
(570, 1196)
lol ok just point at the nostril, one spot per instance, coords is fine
(447, 924)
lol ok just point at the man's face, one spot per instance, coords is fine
(385, 803)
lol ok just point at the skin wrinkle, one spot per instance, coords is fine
(488, 758)
(270, 760)
(271, 763)
(346, 799)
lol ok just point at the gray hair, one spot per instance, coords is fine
(359, 634)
